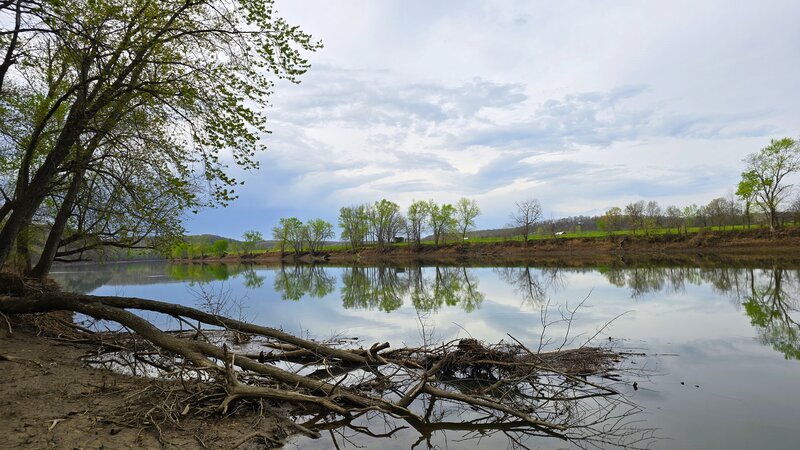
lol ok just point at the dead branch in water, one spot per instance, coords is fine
(502, 388)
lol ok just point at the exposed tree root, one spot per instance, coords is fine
(499, 388)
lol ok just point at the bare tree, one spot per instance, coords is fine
(652, 213)
(527, 214)
(635, 214)
(717, 209)
(733, 208)
(673, 216)
(794, 208)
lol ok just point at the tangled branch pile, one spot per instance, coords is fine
(227, 365)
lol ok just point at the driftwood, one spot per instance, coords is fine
(502, 388)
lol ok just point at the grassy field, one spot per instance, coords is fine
(473, 240)
(570, 235)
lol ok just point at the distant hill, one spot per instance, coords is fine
(499, 232)
(211, 238)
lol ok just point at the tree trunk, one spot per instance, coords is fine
(16, 222)
(747, 213)
(28, 202)
(9, 59)
(23, 259)
(5, 209)
(773, 219)
(42, 268)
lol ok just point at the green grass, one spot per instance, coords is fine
(538, 237)
(571, 235)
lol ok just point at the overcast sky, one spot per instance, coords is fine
(583, 105)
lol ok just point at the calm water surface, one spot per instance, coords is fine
(722, 343)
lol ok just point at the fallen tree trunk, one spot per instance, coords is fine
(342, 385)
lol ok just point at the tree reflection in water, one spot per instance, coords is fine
(770, 297)
(385, 288)
(252, 280)
(381, 288)
(294, 282)
(773, 306)
(532, 284)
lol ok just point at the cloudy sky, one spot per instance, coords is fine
(583, 105)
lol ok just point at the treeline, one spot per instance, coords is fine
(203, 246)
(383, 223)
(380, 224)
(762, 197)
(646, 217)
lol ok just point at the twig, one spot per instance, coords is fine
(53, 425)
(250, 436)
(18, 359)
(8, 322)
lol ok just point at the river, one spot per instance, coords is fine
(716, 350)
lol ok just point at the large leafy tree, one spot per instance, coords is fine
(194, 73)
(417, 220)
(354, 222)
(385, 220)
(290, 233)
(317, 232)
(442, 221)
(466, 212)
(116, 195)
(764, 178)
(250, 239)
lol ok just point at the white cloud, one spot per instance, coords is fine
(584, 105)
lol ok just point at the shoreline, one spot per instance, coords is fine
(756, 245)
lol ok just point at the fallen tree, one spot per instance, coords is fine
(225, 364)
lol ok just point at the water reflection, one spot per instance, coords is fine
(731, 332)
(533, 285)
(381, 288)
(772, 304)
(295, 282)
(84, 278)
(645, 280)
(769, 297)
(428, 289)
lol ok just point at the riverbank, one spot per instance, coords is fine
(50, 398)
(750, 245)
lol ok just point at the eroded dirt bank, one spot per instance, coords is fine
(757, 245)
(50, 399)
